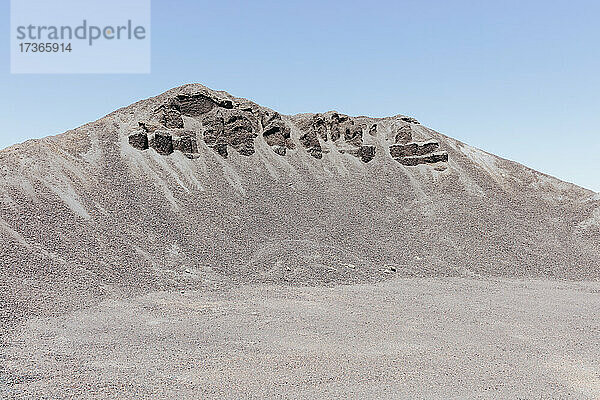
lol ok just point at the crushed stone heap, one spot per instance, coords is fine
(195, 188)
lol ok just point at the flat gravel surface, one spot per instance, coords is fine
(429, 338)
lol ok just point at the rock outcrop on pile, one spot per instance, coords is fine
(222, 123)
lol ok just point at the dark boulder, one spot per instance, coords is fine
(410, 120)
(139, 140)
(413, 149)
(311, 142)
(195, 105)
(338, 124)
(266, 116)
(233, 128)
(353, 134)
(213, 133)
(373, 130)
(431, 158)
(404, 134)
(185, 142)
(319, 125)
(190, 105)
(277, 135)
(239, 131)
(221, 149)
(213, 129)
(169, 114)
(172, 119)
(366, 153)
(281, 150)
(161, 141)
(339, 118)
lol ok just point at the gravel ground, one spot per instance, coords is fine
(429, 338)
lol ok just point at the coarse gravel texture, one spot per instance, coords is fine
(405, 338)
(134, 249)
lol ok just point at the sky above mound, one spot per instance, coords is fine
(518, 80)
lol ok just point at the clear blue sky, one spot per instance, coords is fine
(520, 79)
